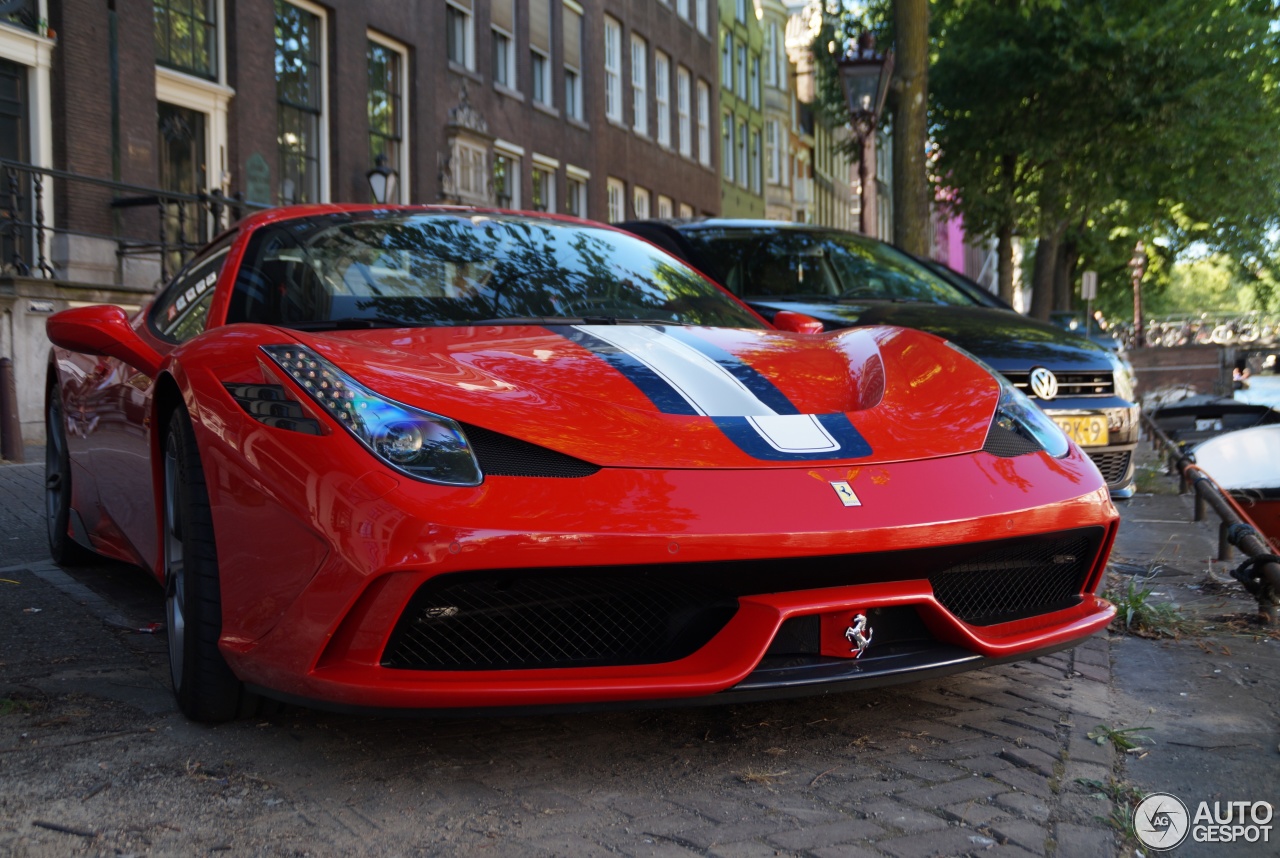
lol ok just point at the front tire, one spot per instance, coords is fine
(57, 486)
(204, 685)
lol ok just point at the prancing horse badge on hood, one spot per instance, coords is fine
(845, 493)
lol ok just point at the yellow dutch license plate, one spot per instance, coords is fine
(1090, 431)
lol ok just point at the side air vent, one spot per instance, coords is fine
(271, 406)
(1006, 444)
(503, 456)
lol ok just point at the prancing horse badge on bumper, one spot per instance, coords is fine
(845, 493)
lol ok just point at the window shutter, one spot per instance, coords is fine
(572, 38)
(540, 25)
(503, 15)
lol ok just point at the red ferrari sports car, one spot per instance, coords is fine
(420, 458)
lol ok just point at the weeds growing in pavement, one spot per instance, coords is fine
(17, 706)
(1125, 739)
(1138, 614)
(1123, 799)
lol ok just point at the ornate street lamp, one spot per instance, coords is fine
(382, 181)
(1137, 268)
(865, 76)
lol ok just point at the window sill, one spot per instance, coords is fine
(503, 89)
(457, 68)
(546, 108)
(578, 123)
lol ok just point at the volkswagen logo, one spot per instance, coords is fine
(1044, 384)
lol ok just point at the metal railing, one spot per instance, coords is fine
(182, 222)
(1260, 573)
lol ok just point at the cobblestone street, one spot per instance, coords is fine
(95, 759)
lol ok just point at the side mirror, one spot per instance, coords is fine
(102, 329)
(796, 323)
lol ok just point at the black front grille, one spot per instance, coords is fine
(503, 456)
(1007, 444)
(1009, 582)
(1070, 383)
(651, 613)
(1114, 466)
(532, 620)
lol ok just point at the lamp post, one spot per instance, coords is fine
(382, 181)
(865, 76)
(1138, 267)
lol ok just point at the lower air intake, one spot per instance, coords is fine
(465, 622)
(1015, 581)
(1114, 466)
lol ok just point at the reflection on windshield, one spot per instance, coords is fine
(412, 268)
(794, 264)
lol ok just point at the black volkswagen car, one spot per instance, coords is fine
(845, 279)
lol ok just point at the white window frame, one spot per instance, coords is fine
(771, 54)
(684, 97)
(740, 11)
(682, 9)
(757, 169)
(753, 77)
(701, 16)
(581, 177)
(550, 168)
(402, 166)
(740, 71)
(573, 74)
(468, 35)
(513, 81)
(685, 211)
(726, 144)
(726, 61)
(662, 97)
(641, 202)
(773, 151)
(740, 140)
(546, 78)
(505, 149)
(704, 123)
(616, 196)
(639, 85)
(322, 143)
(472, 160)
(36, 53)
(666, 208)
(612, 70)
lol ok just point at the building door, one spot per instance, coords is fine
(14, 184)
(183, 170)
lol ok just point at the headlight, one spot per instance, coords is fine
(1016, 413)
(418, 443)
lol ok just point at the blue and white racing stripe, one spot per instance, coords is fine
(684, 374)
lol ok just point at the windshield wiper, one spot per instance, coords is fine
(349, 323)
(573, 320)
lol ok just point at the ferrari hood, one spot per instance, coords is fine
(1007, 341)
(674, 397)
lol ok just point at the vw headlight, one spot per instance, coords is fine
(1016, 413)
(418, 443)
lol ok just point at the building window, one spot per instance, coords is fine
(460, 34)
(541, 73)
(575, 197)
(702, 18)
(741, 143)
(683, 97)
(682, 9)
(187, 36)
(740, 11)
(544, 185)
(616, 191)
(662, 96)
(740, 73)
(755, 82)
(704, 124)
(726, 146)
(506, 179)
(640, 202)
(686, 211)
(502, 18)
(469, 176)
(756, 184)
(726, 61)
(299, 63)
(771, 54)
(612, 70)
(540, 50)
(386, 108)
(773, 152)
(639, 85)
(572, 62)
(666, 209)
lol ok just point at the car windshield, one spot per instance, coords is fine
(801, 265)
(404, 268)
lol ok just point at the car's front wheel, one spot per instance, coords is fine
(57, 486)
(206, 688)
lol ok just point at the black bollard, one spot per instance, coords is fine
(10, 425)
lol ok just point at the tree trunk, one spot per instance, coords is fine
(1004, 263)
(1048, 249)
(910, 176)
(1064, 274)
